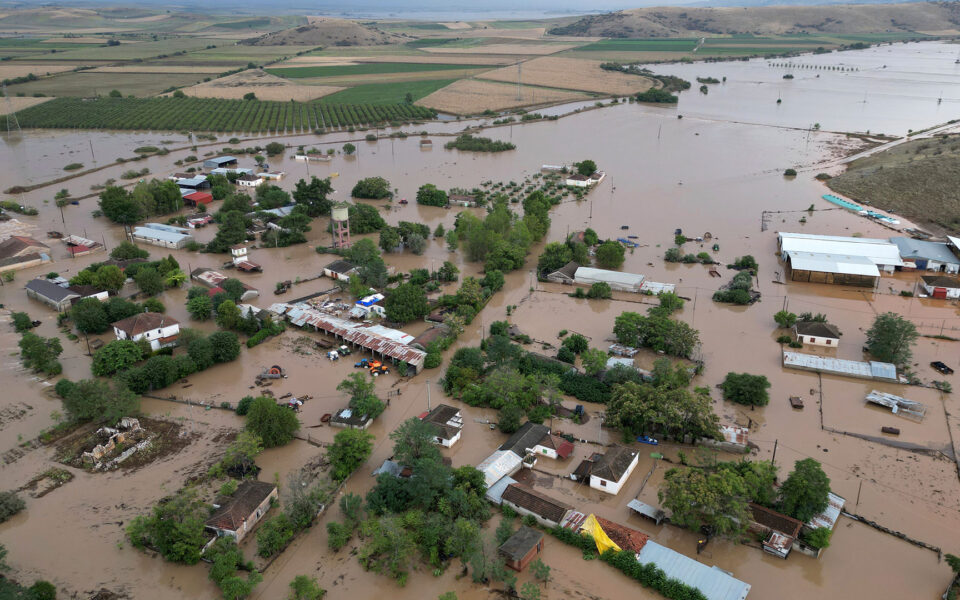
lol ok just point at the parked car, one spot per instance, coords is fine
(943, 368)
(646, 439)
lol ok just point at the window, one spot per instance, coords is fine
(829, 342)
(813, 340)
(603, 482)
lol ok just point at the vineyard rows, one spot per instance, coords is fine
(212, 114)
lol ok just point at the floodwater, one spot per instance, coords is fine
(709, 172)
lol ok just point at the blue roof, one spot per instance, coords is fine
(221, 160)
(714, 583)
(911, 249)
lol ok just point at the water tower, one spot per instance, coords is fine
(340, 225)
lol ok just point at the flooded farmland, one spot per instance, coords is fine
(718, 170)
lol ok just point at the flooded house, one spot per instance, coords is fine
(713, 582)
(340, 270)
(165, 236)
(536, 439)
(815, 333)
(940, 287)
(565, 274)
(193, 184)
(525, 500)
(21, 252)
(197, 199)
(239, 514)
(612, 469)
(447, 421)
(55, 296)
(927, 256)
(220, 162)
(837, 259)
(348, 418)
(779, 530)
(158, 329)
(249, 180)
(522, 547)
(89, 291)
(499, 465)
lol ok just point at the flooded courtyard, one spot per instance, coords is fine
(719, 169)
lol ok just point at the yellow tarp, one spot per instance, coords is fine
(604, 543)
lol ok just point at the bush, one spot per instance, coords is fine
(10, 504)
(784, 339)
(338, 535)
(273, 423)
(673, 255)
(657, 95)
(274, 535)
(471, 143)
(243, 407)
(790, 173)
(747, 389)
(42, 590)
(819, 537)
(21, 322)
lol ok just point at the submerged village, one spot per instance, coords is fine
(572, 356)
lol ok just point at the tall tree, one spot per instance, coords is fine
(363, 397)
(119, 205)
(350, 449)
(273, 423)
(805, 492)
(314, 195)
(609, 255)
(699, 498)
(100, 401)
(406, 303)
(413, 440)
(891, 338)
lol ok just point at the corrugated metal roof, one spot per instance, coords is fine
(714, 583)
(839, 366)
(501, 463)
(495, 492)
(159, 234)
(591, 275)
(828, 518)
(955, 241)
(911, 249)
(880, 252)
(833, 263)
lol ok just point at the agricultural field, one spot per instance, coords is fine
(12, 69)
(425, 58)
(473, 96)
(157, 69)
(127, 52)
(18, 104)
(389, 93)
(264, 85)
(20, 47)
(365, 69)
(88, 84)
(209, 114)
(513, 47)
(230, 56)
(642, 45)
(573, 74)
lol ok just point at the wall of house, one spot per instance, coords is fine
(450, 442)
(819, 341)
(524, 512)
(544, 451)
(613, 487)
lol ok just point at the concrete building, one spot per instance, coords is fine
(21, 252)
(165, 236)
(243, 510)
(617, 280)
(89, 291)
(340, 269)
(212, 279)
(55, 296)
(814, 333)
(778, 530)
(368, 306)
(249, 180)
(195, 183)
(527, 501)
(350, 419)
(160, 330)
(836, 259)
(940, 287)
(219, 162)
(878, 371)
(612, 470)
(500, 464)
(522, 547)
(448, 423)
(927, 256)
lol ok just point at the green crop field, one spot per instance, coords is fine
(368, 69)
(227, 54)
(763, 41)
(642, 45)
(388, 93)
(211, 114)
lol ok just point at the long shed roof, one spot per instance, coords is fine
(591, 275)
(714, 583)
(880, 252)
(833, 263)
(912, 249)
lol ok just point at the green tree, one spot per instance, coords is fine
(349, 148)
(110, 278)
(509, 418)
(670, 301)
(273, 423)
(90, 316)
(747, 389)
(232, 231)
(116, 356)
(954, 562)
(42, 590)
(10, 505)
(600, 290)
(365, 218)
(372, 188)
(40, 354)
(586, 167)
(119, 309)
(126, 250)
(594, 361)
(819, 537)
(175, 528)
(413, 441)
(540, 570)
(119, 205)
(609, 255)
(389, 238)
(363, 397)
(417, 243)
(305, 588)
(448, 271)
(805, 492)
(199, 307)
(239, 458)
(149, 281)
(274, 148)
(200, 350)
(430, 195)
(577, 343)
(228, 315)
(529, 591)
(453, 240)
(890, 339)
(350, 449)
(672, 411)
(234, 288)
(406, 303)
(226, 346)
(21, 321)
(314, 196)
(100, 401)
(759, 479)
(701, 498)
(554, 256)
(785, 319)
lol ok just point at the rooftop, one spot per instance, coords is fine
(839, 366)
(774, 520)
(712, 582)
(499, 464)
(911, 249)
(557, 443)
(222, 160)
(817, 329)
(528, 436)
(539, 504)
(340, 266)
(833, 263)
(249, 495)
(144, 322)
(589, 274)
(941, 281)
(48, 289)
(446, 419)
(878, 251)
(520, 543)
(828, 518)
(614, 463)
(625, 537)
(18, 243)
(568, 270)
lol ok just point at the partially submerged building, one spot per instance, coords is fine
(611, 471)
(53, 295)
(564, 274)
(620, 281)
(165, 236)
(940, 287)
(500, 464)
(447, 421)
(522, 547)
(21, 252)
(927, 256)
(534, 438)
(815, 333)
(159, 330)
(340, 269)
(527, 501)
(778, 530)
(879, 371)
(238, 515)
(212, 279)
(713, 582)
(350, 419)
(837, 259)
(220, 162)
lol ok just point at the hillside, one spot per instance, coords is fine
(327, 32)
(918, 180)
(923, 17)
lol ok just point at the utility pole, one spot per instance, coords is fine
(428, 394)
(860, 487)
(773, 460)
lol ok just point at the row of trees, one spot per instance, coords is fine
(147, 199)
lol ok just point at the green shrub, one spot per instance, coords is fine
(10, 504)
(274, 535)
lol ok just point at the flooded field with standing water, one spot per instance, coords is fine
(719, 169)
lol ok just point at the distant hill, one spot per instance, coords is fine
(327, 32)
(939, 18)
(918, 179)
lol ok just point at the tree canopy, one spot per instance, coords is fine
(805, 492)
(713, 499)
(406, 303)
(350, 449)
(747, 389)
(273, 423)
(610, 255)
(891, 338)
(372, 188)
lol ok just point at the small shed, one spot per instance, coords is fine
(940, 287)
(779, 530)
(198, 199)
(647, 510)
(340, 269)
(522, 547)
(495, 492)
(350, 419)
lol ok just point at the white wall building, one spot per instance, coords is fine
(813, 333)
(161, 331)
(448, 423)
(612, 470)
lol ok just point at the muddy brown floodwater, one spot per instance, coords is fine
(714, 171)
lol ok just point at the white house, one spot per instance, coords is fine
(249, 180)
(272, 175)
(339, 269)
(371, 305)
(243, 510)
(578, 180)
(448, 423)
(612, 470)
(813, 333)
(940, 287)
(166, 236)
(161, 331)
